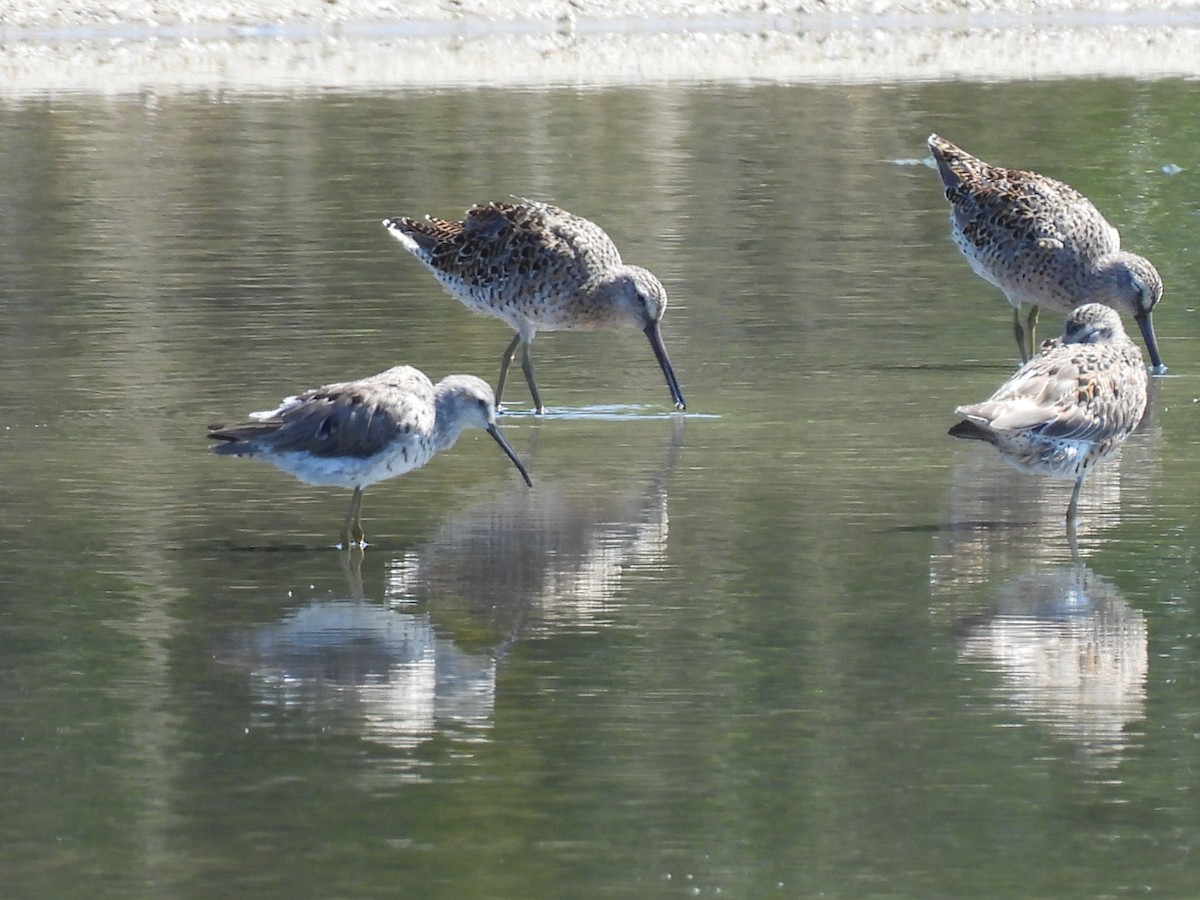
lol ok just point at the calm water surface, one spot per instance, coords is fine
(796, 642)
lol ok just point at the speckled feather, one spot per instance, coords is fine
(517, 260)
(351, 433)
(1041, 241)
(1070, 406)
(355, 433)
(539, 268)
(1031, 236)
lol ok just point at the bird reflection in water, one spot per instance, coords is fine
(1071, 655)
(396, 672)
(385, 672)
(560, 551)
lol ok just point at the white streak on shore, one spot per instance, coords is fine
(298, 54)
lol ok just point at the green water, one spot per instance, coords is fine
(795, 643)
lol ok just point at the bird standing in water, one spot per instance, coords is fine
(1069, 407)
(539, 268)
(355, 433)
(1043, 243)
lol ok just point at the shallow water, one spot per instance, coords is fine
(796, 641)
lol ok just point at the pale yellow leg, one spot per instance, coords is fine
(505, 362)
(1073, 506)
(352, 530)
(352, 558)
(1019, 333)
(527, 368)
(1032, 330)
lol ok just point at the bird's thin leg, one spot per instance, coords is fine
(352, 558)
(352, 533)
(1032, 329)
(1073, 542)
(505, 362)
(361, 535)
(344, 534)
(1073, 506)
(1020, 335)
(527, 368)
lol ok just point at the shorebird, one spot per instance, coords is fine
(539, 268)
(355, 433)
(1042, 243)
(1069, 407)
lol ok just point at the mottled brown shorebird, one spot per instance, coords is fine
(355, 433)
(1069, 407)
(539, 268)
(1042, 243)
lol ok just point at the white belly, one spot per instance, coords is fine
(350, 471)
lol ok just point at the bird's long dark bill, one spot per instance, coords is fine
(1147, 327)
(660, 353)
(495, 433)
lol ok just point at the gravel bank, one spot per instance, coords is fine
(155, 46)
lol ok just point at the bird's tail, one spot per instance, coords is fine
(955, 165)
(238, 440)
(970, 431)
(421, 236)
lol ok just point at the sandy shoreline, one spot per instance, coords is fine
(138, 46)
(47, 13)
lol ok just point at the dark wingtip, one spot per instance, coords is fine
(942, 151)
(968, 431)
(230, 441)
